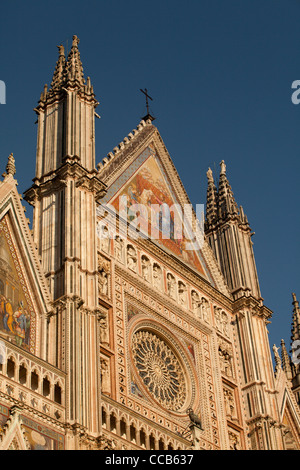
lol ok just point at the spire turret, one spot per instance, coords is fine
(286, 362)
(66, 115)
(10, 166)
(229, 234)
(296, 319)
(211, 198)
(227, 204)
(60, 70)
(74, 68)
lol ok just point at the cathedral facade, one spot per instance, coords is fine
(126, 321)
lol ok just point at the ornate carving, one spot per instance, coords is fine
(234, 440)
(104, 331)
(105, 376)
(171, 286)
(182, 293)
(131, 258)
(157, 276)
(159, 369)
(103, 276)
(225, 356)
(104, 239)
(221, 319)
(229, 404)
(145, 268)
(119, 249)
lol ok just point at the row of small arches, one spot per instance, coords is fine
(32, 379)
(138, 437)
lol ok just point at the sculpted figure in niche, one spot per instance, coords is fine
(145, 268)
(196, 304)
(229, 404)
(205, 309)
(218, 319)
(105, 377)
(104, 235)
(104, 332)
(119, 249)
(234, 441)
(225, 361)
(103, 282)
(157, 276)
(182, 293)
(131, 258)
(225, 324)
(171, 286)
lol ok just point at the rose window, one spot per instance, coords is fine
(160, 369)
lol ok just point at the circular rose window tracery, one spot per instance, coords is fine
(160, 369)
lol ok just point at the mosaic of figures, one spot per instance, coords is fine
(15, 312)
(38, 436)
(161, 218)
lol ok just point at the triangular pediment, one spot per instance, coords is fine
(24, 295)
(14, 436)
(140, 173)
(289, 412)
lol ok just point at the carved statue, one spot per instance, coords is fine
(229, 403)
(145, 268)
(103, 282)
(105, 377)
(104, 332)
(104, 235)
(131, 258)
(209, 175)
(225, 361)
(171, 286)
(157, 276)
(182, 293)
(119, 248)
(223, 168)
(196, 304)
(194, 418)
(205, 309)
(277, 358)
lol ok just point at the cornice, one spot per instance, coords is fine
(56, 180)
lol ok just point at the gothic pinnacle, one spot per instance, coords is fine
(11, 167)
(74, 66)
(296, 319)
(59, 72)
(211, 198)
(286, 363)
(227, 204)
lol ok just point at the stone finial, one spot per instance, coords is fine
(209, 175)
(75, 41)
(277, 358)
(11, 167)
(61, 50)
(223, 167)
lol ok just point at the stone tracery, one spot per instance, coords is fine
(159, 369)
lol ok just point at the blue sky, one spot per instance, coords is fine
(220, 73)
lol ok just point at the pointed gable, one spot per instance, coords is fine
(24, 295)
(140, 172)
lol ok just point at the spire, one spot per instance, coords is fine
(227, 204)
(296, 319)
(68, 72)
(10, 167)
(211, 198)
(74, 68)
(286, 363)
(60, 69)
